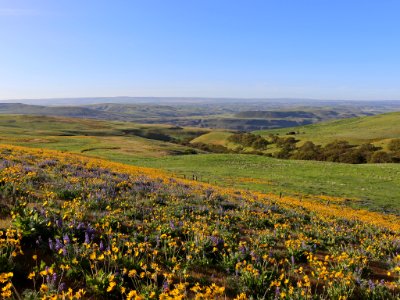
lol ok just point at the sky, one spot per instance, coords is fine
(321, 49)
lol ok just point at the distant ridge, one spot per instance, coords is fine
(192, 100)
(208, 113)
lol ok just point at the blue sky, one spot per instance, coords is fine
(325, 49)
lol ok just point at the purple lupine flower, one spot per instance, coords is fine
(172, 225)
(101, 246)
(87, 238)
(253, 255)
(59, 223)
(371, 285)
(358, 281)
(61, 287)
(66, 239)
(51, 244)
(277, 293)
(59, 245)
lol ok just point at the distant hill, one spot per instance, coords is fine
(313, 115)
(66, 111)
(276, 114)
(240, 116)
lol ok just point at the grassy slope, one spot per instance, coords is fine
(92, 137)
(373, 185)
(377, 129)
(214, 137)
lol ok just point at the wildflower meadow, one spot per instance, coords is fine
(74, 227)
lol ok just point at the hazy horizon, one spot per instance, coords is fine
(72, 101)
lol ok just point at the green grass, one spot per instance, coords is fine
(378, 129)
(375, 186)
(214, 137)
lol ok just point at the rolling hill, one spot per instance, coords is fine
(378, 129)
(117, 140)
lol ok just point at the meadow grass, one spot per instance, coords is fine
(374, 186)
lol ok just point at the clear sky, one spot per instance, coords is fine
(326, 49)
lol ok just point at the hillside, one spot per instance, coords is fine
(376, 129)
(372, 186)
(117, 140)
(74, 227)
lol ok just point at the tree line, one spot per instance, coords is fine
(336, 151)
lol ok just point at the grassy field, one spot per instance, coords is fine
(375, 186)
(377, 129)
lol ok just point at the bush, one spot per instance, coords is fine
(249, 140)
(336, 150)
(211, 148)
(308, 151)
(394, 145)
(380, 157)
